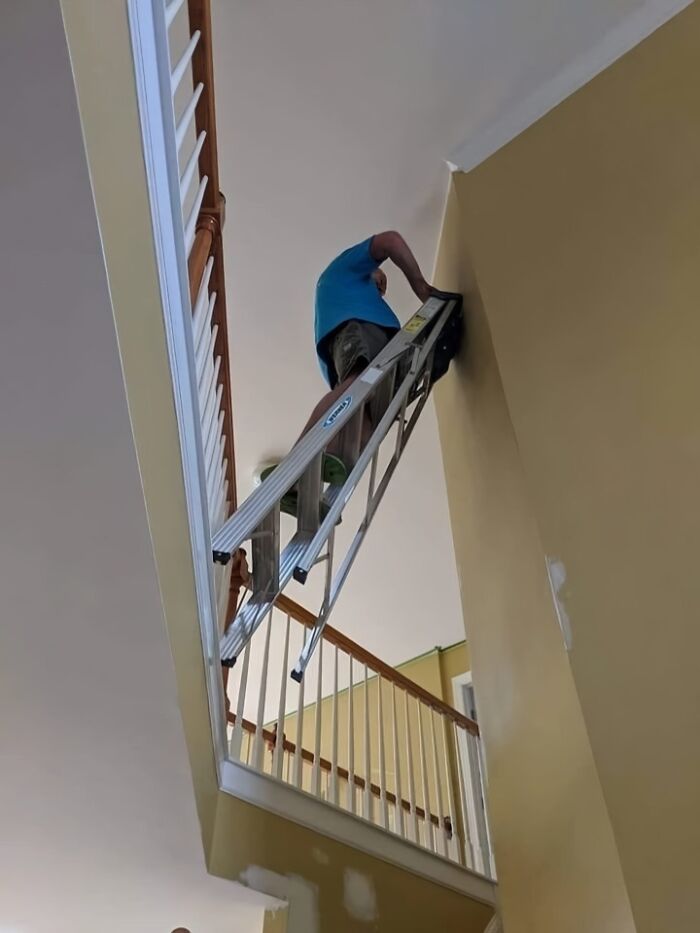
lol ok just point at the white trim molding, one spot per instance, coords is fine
(331, 821)
(632, 30)
(149, 39)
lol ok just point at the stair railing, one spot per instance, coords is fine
(187, 26)
(361, 736)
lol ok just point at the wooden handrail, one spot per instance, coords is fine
(334, 637)
(270, 738)
(205, 113)
(208, 240)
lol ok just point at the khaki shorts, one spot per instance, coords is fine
(354, 345)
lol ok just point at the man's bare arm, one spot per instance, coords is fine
(391, 245)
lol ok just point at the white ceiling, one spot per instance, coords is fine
(335, 119)
(98, 827)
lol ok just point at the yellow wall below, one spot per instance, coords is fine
(571, 429)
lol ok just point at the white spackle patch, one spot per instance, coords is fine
(556, 572)
(301, 896)
(321, 857)
(359, 897)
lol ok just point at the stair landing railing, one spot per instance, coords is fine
(359, 735)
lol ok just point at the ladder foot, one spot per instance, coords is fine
(297, 675)
(300, 575)
(222, 557)
(228, 662)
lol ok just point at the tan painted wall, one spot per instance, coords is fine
(555, 853)
(584, 234)
(236, 835)
(247, 836)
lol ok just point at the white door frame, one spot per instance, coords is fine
(470, 773)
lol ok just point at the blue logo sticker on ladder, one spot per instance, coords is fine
(337, 411)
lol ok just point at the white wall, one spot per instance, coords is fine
(98, 829)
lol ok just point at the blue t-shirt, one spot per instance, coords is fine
(345, 292)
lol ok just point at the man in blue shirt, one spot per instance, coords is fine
(351, 291)
(353, 323)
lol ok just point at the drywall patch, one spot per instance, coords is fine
(301, 896)
(359, 896)
(556, 571)
(320, 856)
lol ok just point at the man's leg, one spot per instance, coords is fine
(327, 400)
(325, 404)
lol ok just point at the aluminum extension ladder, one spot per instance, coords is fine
(394, 387)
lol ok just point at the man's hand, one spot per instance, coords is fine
(391, 245)
(423, 290)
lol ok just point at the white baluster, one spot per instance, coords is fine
(429, 834)
(298, 760)
(205, 356)
(486, 849)
(210, 445)
(368, 756)
(460, 747)
(398, 821)
(186, 118)
(191, 223)
(411, 779)
(278, 755)
(455, 846)
(218, 460)
(382, 756)
(259, 743)
(351, 742)
(171, 11)
(316, 774)
(438, 782)
(334, 737)
(474, 792)
(237, 736)
(185, 58)
(201, 313)
(189, 170)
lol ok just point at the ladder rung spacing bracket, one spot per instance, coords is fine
(265, 546)
(393, 388)
(309, 492)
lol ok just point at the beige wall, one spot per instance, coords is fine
(584, 235)
(555, 855)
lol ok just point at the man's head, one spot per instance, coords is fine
(379, 280)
